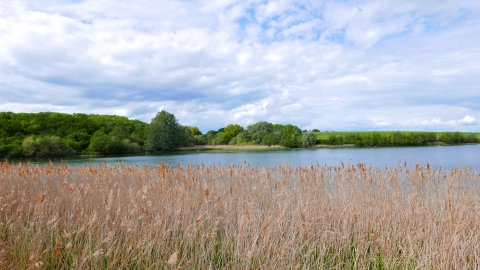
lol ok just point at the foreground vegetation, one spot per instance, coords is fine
(43, 135)
(201, 217)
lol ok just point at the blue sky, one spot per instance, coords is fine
(331, 65)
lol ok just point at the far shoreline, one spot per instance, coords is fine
(248, 147)
(278, 147)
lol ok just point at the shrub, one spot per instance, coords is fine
(46, 146)
(309, 139)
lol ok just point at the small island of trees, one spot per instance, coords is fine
(49, 134)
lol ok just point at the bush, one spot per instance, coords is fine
(16, 152)
(309, 139)
(200, 139)
(47, 146)
(4, 150)
(271, 139)
(333, 139)
(131, 147)
(233, 141)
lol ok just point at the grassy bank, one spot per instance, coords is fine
(200, 217)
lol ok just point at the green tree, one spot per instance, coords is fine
(244, 137)
(218, 139)
(73, 144)
(102, 143)
(30, 147)
(230, 132)
(78, 140)
(120, 131)
(289, 136)
(278, 128)
(209, 137)
(200, 139)
(271, 139)
(258, 130)
(162, 133)
(194, 131)
(74, 130)
(185, 137)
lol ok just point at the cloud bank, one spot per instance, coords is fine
(331, 65)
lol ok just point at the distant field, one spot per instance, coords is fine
(324, 135)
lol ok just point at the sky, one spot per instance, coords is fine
(327, 65)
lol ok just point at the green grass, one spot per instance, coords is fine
(324, 135)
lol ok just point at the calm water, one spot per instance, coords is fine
(446, 157)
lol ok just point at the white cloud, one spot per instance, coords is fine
(336, 65)
(468, 120)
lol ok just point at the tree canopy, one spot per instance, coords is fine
(258, 130)
(116, 134)
(230, 132)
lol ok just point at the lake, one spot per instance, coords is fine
(446, 157)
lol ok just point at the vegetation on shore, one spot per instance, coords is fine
(48, 134)
(397, 138)
(238, 217)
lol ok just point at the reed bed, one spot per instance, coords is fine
(238, 217)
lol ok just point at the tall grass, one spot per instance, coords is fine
(242, 217)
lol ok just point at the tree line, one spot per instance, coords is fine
(164, 134)
(397, 138)
(261, 133)
(49, 134)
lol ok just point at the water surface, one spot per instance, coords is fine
(446, 157)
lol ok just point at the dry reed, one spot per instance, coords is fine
(238, 217)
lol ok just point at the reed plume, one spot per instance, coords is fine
(238, 216)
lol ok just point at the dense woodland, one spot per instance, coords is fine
(49, 134)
